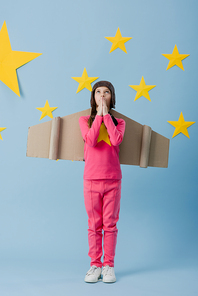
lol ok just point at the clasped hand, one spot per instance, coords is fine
(102, 108)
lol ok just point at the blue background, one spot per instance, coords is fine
(43, 234)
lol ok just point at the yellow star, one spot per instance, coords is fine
(142, 89)
(181, 126)
(118, 41)
(103, 135)
(175, 58)
(47, 110)
(10, 60)
(2, 129)
(84, 81)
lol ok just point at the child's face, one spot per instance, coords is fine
(103, 92)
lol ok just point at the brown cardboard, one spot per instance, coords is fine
(54, 138)
(61, 138)
(145, 147)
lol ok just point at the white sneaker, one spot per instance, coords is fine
(108, 274)
(93, 274)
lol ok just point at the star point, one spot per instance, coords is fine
(181, 126)
(118, 41)
(2, 129)
(11, 60)
(46, 110)
(103, 135)
(84, 81)
(142, 89)
(175, 58)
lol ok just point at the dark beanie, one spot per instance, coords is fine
(109, 86)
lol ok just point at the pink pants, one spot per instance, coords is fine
(102, 203)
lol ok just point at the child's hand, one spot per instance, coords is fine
(105, 108)
(100, 108)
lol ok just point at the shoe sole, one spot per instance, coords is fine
(92, 282)
(109, 282)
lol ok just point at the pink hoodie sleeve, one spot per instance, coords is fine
(90, 135)
(116, 133)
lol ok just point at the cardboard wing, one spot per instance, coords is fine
(61, 138)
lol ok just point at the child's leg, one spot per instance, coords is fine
(93, 205)
(111, 209)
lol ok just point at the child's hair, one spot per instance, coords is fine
(93, 102)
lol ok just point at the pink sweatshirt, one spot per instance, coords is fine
(101, 159)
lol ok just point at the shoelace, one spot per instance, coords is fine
(107, 270)
(92, 269)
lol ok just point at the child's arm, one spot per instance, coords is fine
(90, 135)
(116, 133)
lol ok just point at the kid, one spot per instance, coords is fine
(102, 134)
